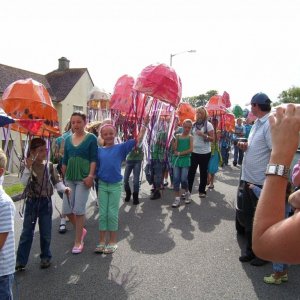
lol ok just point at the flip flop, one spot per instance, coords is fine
(109, 249)
(99, 248)
(77, 250)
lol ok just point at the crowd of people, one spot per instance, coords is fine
(94, 160)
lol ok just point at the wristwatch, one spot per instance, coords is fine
(279, 170)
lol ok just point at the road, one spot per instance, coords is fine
(164, 253)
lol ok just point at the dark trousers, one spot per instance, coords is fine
(202, 161)
(250, 202)
(41, 209)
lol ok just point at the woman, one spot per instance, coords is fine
(78, 168)
(203, 134)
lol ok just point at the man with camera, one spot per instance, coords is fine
(257, 152)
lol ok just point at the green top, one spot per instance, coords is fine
(159, 147)
(78, 158)
(183, 144)
(136, 154)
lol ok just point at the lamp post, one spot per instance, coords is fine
(172, 55)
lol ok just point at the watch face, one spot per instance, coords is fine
(272, 169)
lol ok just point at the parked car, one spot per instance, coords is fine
(239, 206)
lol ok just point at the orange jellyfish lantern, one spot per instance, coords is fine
(29, 103)
(185, 111)
(160, 81)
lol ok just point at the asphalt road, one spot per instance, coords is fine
(164, 253)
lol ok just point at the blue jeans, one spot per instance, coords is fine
(41, 209)
(180, 177)
(225, 155)
(135, 166)
(238, 155)
(6, 283)
(158, 168)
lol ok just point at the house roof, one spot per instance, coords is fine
(9, 74)
(58, 83)
(62, 82)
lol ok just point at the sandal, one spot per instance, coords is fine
(62, 228)
(109, 249)
(99, 248)
(77, 250)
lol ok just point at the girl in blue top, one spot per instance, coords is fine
(110, 158)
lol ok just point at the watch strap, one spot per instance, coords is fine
(279, 170)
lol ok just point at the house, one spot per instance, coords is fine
(69, 89)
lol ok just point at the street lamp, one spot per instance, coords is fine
(172, 55)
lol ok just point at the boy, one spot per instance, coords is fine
(7, 239)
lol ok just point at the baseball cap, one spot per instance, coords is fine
(260, 98)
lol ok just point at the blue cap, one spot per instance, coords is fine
(260, 98)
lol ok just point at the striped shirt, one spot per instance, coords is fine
(7, 253)
(258, 153)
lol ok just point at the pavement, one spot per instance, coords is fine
(190, 252)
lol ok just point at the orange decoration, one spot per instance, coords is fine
(29, 100)
(185, 111)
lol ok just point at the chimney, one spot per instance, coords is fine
(63, 64)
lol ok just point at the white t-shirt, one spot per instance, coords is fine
(7, 253)
(200, 145)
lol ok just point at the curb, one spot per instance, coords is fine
(17, 197)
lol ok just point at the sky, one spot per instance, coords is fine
(242, 46)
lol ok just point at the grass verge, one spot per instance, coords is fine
(14, 189)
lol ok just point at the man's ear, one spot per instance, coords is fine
(2, 170)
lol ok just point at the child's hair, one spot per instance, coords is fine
(3, 159)
(35, 143)
(106, 126)
(187, 121)
(79, 114)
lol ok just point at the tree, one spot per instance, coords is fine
(292, 95)
(200, 100)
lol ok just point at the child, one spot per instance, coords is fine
(79, 164)
(183, 147)
(7, 239)
(109, 162)
(133, 164)
(59, 154)
(280, 270)
(39, 177)
(214, 160)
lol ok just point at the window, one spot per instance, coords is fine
(77, 108)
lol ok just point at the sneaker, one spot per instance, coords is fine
(202, 195)
(45, 263)
(166, 183)
(155, 195)
(20, 267)
(183, 196)
(176, 203)
(188, 198)
(62, 228)
(272, 280)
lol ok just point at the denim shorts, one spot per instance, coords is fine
(76, 202)
(6, 283)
